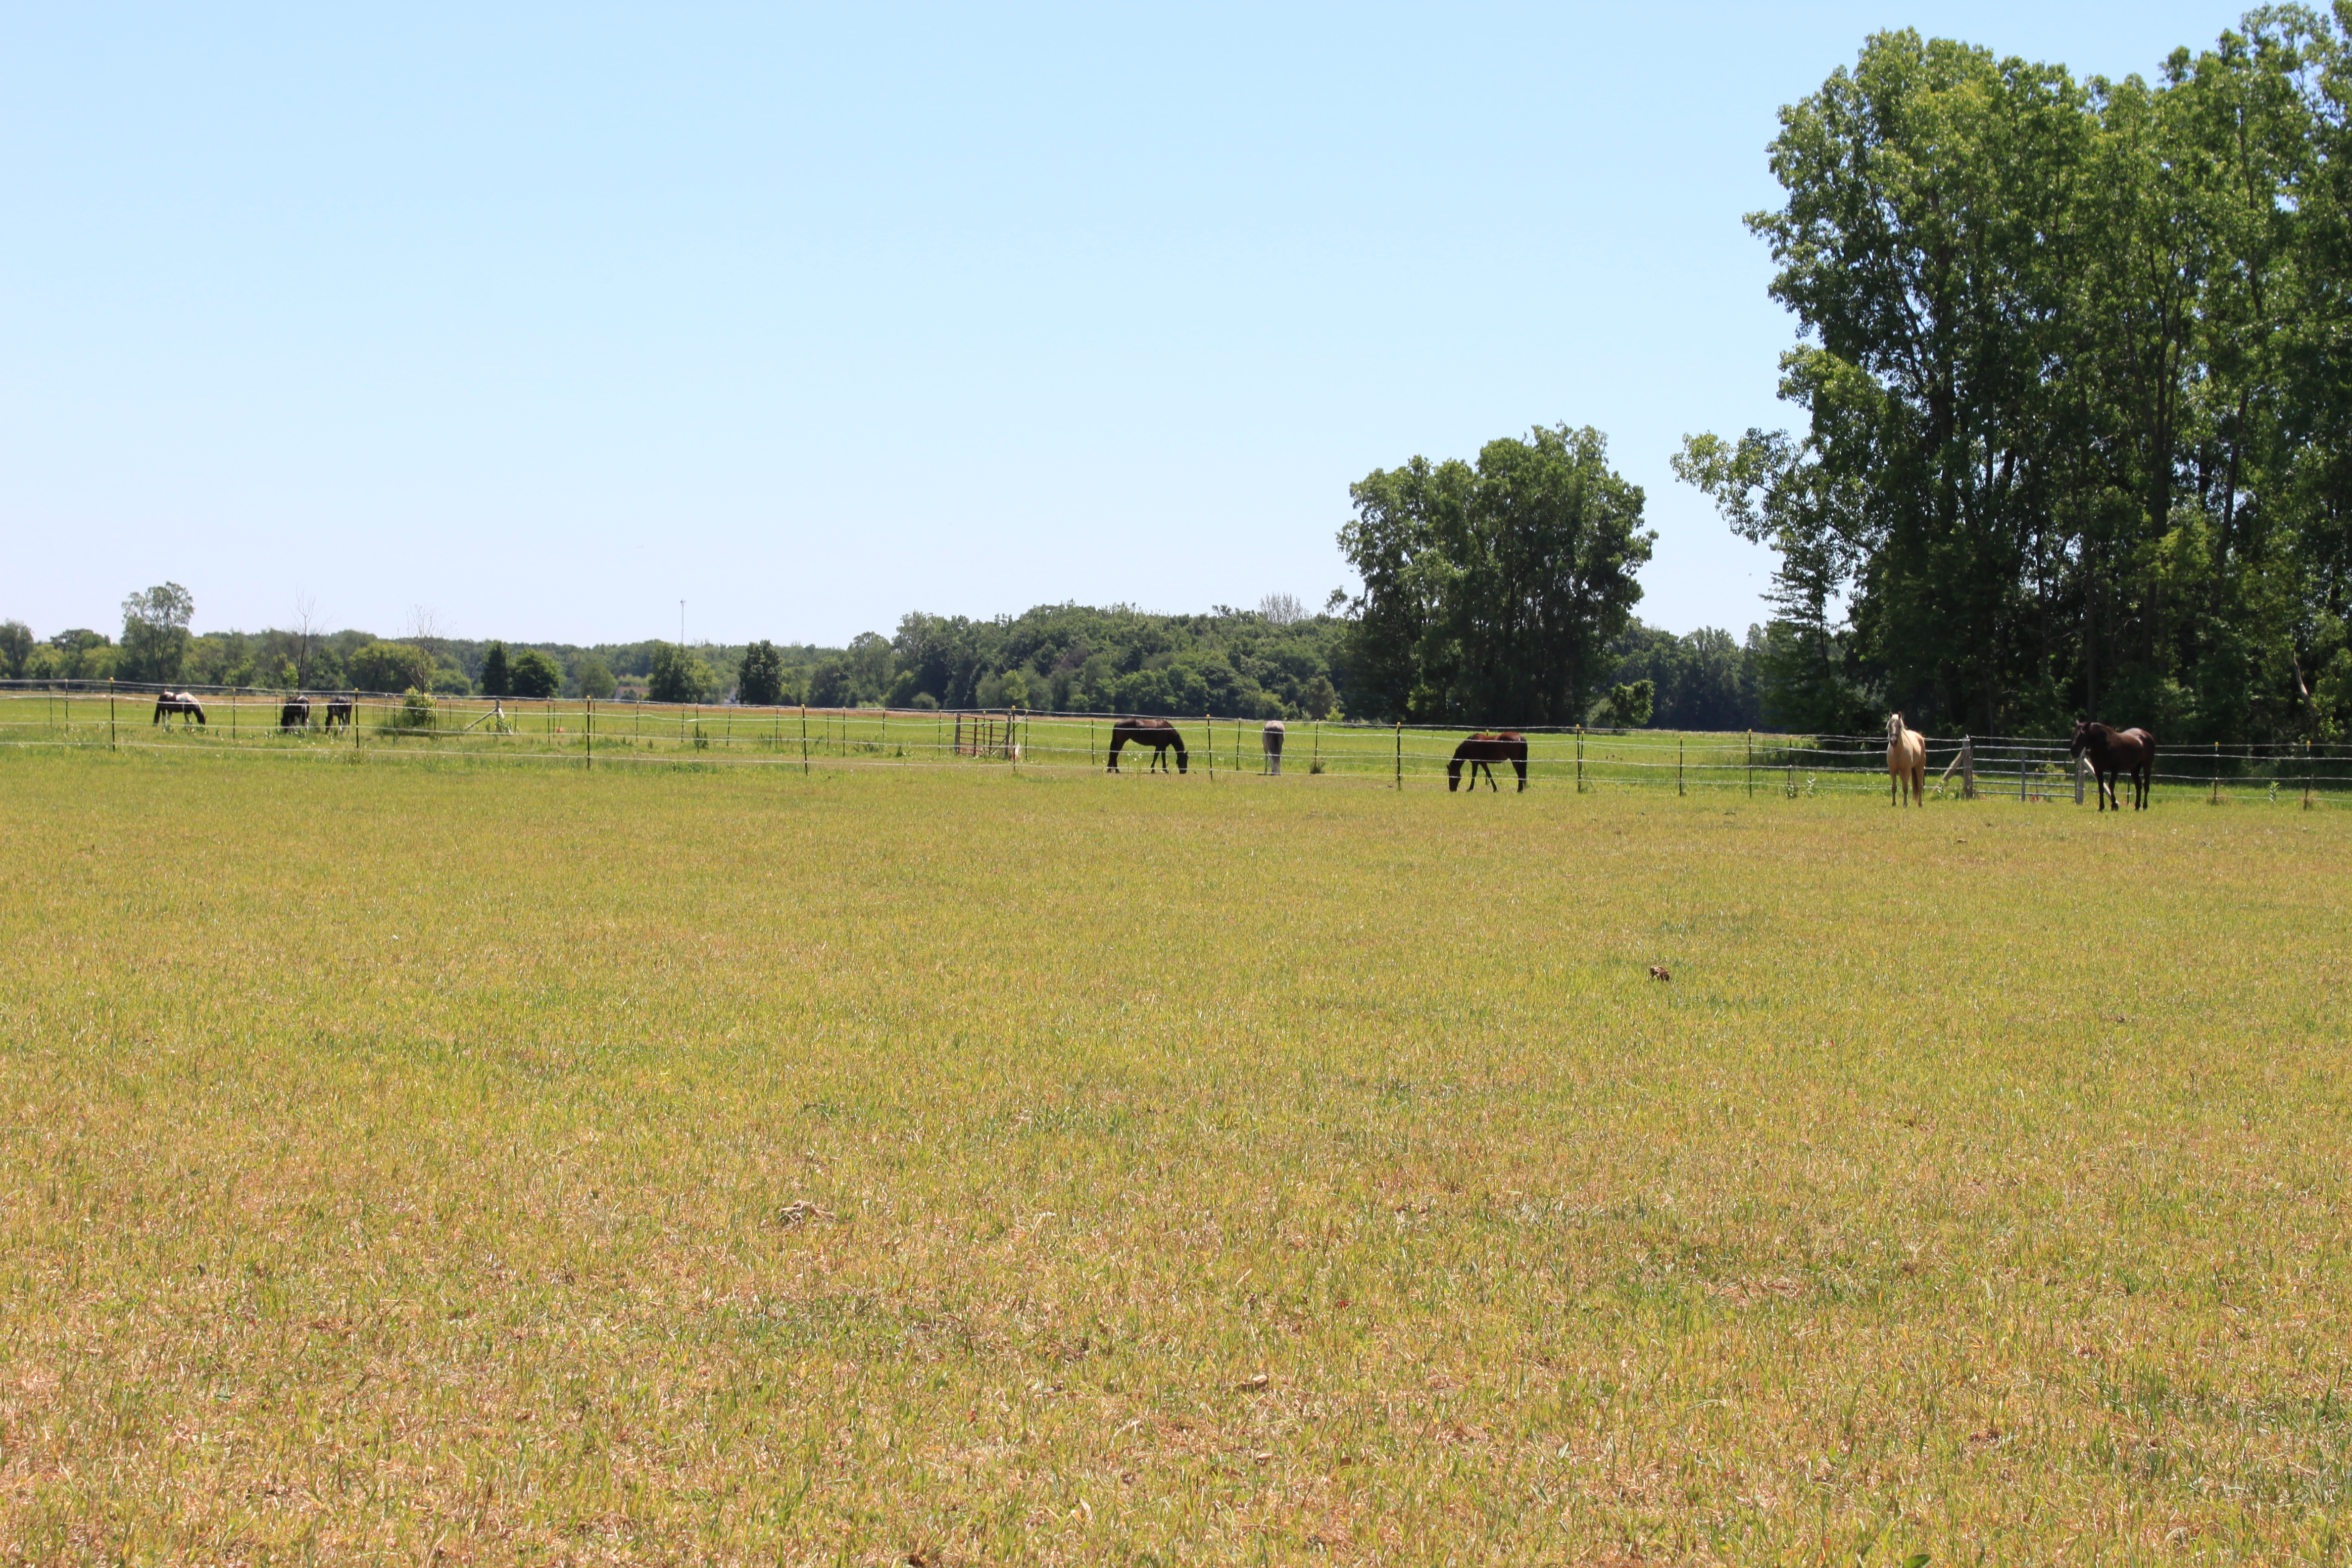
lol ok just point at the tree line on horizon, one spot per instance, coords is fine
(1278, 661)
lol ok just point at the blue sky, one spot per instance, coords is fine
(540, 319)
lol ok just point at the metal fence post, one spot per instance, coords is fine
(591, 722)
(1580, 759)
(2216, 772)
(1400, 754)
(1678, 764)
(1751, 765)
(110, 712)
(804, 767)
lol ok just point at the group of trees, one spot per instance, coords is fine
(2076, 375)
(1491, 593)
(1278, 661)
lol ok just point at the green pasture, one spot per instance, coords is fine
(465, 1163)
(1756, 766)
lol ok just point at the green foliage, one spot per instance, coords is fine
(591, 677)
(1320, 700)
(2076, 432)
(391, 667)
(759, 678)
(1230, 663)
(1490, 593)
(415, 712)
(155, 634)
(15, 648)
(532, 674)
(677, 675)
(1707, 680)
(1629, 706)
(497, 678)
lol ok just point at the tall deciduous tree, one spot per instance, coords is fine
(1490, 592)
(679, 676)
(2078, 429)
(759, 678)
(155, 634)
(533, 674)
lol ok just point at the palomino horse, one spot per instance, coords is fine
(1157, 733)
(2131, 752)
(1484, 751)
(296, 714)
(182, 704)
(338, 711)
(1907, 761)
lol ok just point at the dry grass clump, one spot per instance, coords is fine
(952, 1167)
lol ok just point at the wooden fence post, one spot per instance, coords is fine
(1751, 765)
(1400, 754)
(1209, 724)
(1968, 767)
(592, 733)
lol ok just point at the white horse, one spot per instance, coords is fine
(1907, 761)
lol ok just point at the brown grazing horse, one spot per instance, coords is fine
(182, 703)
(2131, 752)
(1907, 760)
(338, 711)
(296, 714)
(1157, 733)
(1484, 751)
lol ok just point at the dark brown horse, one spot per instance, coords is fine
(1157, 733)
(1484, 751)
(295, 714)
(338, 711)
(180, 704)
(2131, 752)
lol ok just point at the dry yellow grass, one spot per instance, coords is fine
(521, 1165)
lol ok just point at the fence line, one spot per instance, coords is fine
(586, 733)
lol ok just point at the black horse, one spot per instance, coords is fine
(1157, 733)
(1484, 751)
(295, 714)
(338, 711)
(2131, 752)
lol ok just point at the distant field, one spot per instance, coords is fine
(569, 730)
(957, 1165)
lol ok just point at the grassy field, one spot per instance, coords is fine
(569, 732)
(407, 1163)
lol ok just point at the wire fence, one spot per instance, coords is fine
(588, 734)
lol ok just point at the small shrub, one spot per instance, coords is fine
(415, 713)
